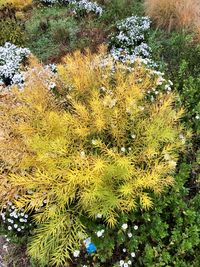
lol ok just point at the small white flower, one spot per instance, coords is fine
(133, 136)
(19, 229)
(197, 117)
(52, 85)
(170, 82)
(129, 262)
(125, 264)
(123, 149)
(181, 136)
(135, 227)
(129, 148)
(26, 216)
(124, 250)
(9, 228)
(167, 156)
(82, 154)
(172, 163)
(130, 235)
(87, 241)
(76, 253)
(100, 233)
(99, 216)
(124, 226)
(15, 225)
(121, 263)
(141, 108)
(133, 254)
(94, 142)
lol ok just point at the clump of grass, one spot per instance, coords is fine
(175, 14)
(115, 10)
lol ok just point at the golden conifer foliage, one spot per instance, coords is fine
(16, 3)
(102, 149)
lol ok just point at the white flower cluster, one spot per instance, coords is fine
(14, 219)
(11, 58)
(52, 2)
(129, 42)
(51, 67)
(88, 7)
(49, 2)
(80, 6)
(161, 84)
(125, 264)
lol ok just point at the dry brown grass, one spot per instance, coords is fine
(175, 14)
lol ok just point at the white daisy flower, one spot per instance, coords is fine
(129, 235)
(121, 263)
(100, 233)
(124, 226)
(76, 253)
(123, 149)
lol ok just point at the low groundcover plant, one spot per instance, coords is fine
(103, 148)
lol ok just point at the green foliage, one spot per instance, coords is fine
(52, 32)
(11, 29)
(115, 10)
(167, 235)
(180, 56)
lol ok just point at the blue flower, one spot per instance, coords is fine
(91, 248)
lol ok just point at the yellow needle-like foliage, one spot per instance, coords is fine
(100, 148)
(16, 3)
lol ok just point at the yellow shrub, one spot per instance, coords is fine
(16, 3)
(172, 14)
(102, 148)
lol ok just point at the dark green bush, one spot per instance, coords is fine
(180, 57)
